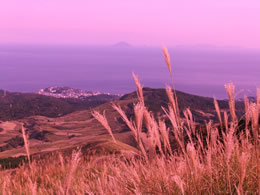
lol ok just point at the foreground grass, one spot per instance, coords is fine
(196, 172)
(171, 159)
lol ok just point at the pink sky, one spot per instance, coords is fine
(139, 22)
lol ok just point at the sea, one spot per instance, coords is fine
(197, 70)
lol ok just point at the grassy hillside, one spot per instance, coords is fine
(51, 134)
(19, 105)
(202, 108)
(78, 127)
(205, 163)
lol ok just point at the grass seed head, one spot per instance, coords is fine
(230, 88)
(103, 120)
(167, 58)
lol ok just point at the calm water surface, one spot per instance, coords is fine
(109, 69)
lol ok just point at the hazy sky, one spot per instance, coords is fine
(139, 22)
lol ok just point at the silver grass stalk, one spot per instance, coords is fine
(26, 144)
(139, 89)
(230, 88)
(167, 58)
(258, 98)
(255, 121)
(247, 115)
(132, 127)
(103, 120)
(180, 183)
(139, 113)
(125, 119)
(75, 158)
(33, 187)
(218, 112)
(243, 163)
(165, 137)
(174, 103)
(168, 62)
(226, 121)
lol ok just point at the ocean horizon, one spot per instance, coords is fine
(196, 70)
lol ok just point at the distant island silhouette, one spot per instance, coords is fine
(122, 44)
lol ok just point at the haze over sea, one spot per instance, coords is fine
(201, 70)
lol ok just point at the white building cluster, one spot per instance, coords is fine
(66, 92)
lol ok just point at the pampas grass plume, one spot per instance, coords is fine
(230, 88)
(167, 58)
(103, 120)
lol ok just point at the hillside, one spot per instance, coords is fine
(80, 128)
(202, 107)
(15, 105)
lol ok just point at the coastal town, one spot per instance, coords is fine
(67, 92)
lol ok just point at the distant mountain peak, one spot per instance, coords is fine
(122, 44)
